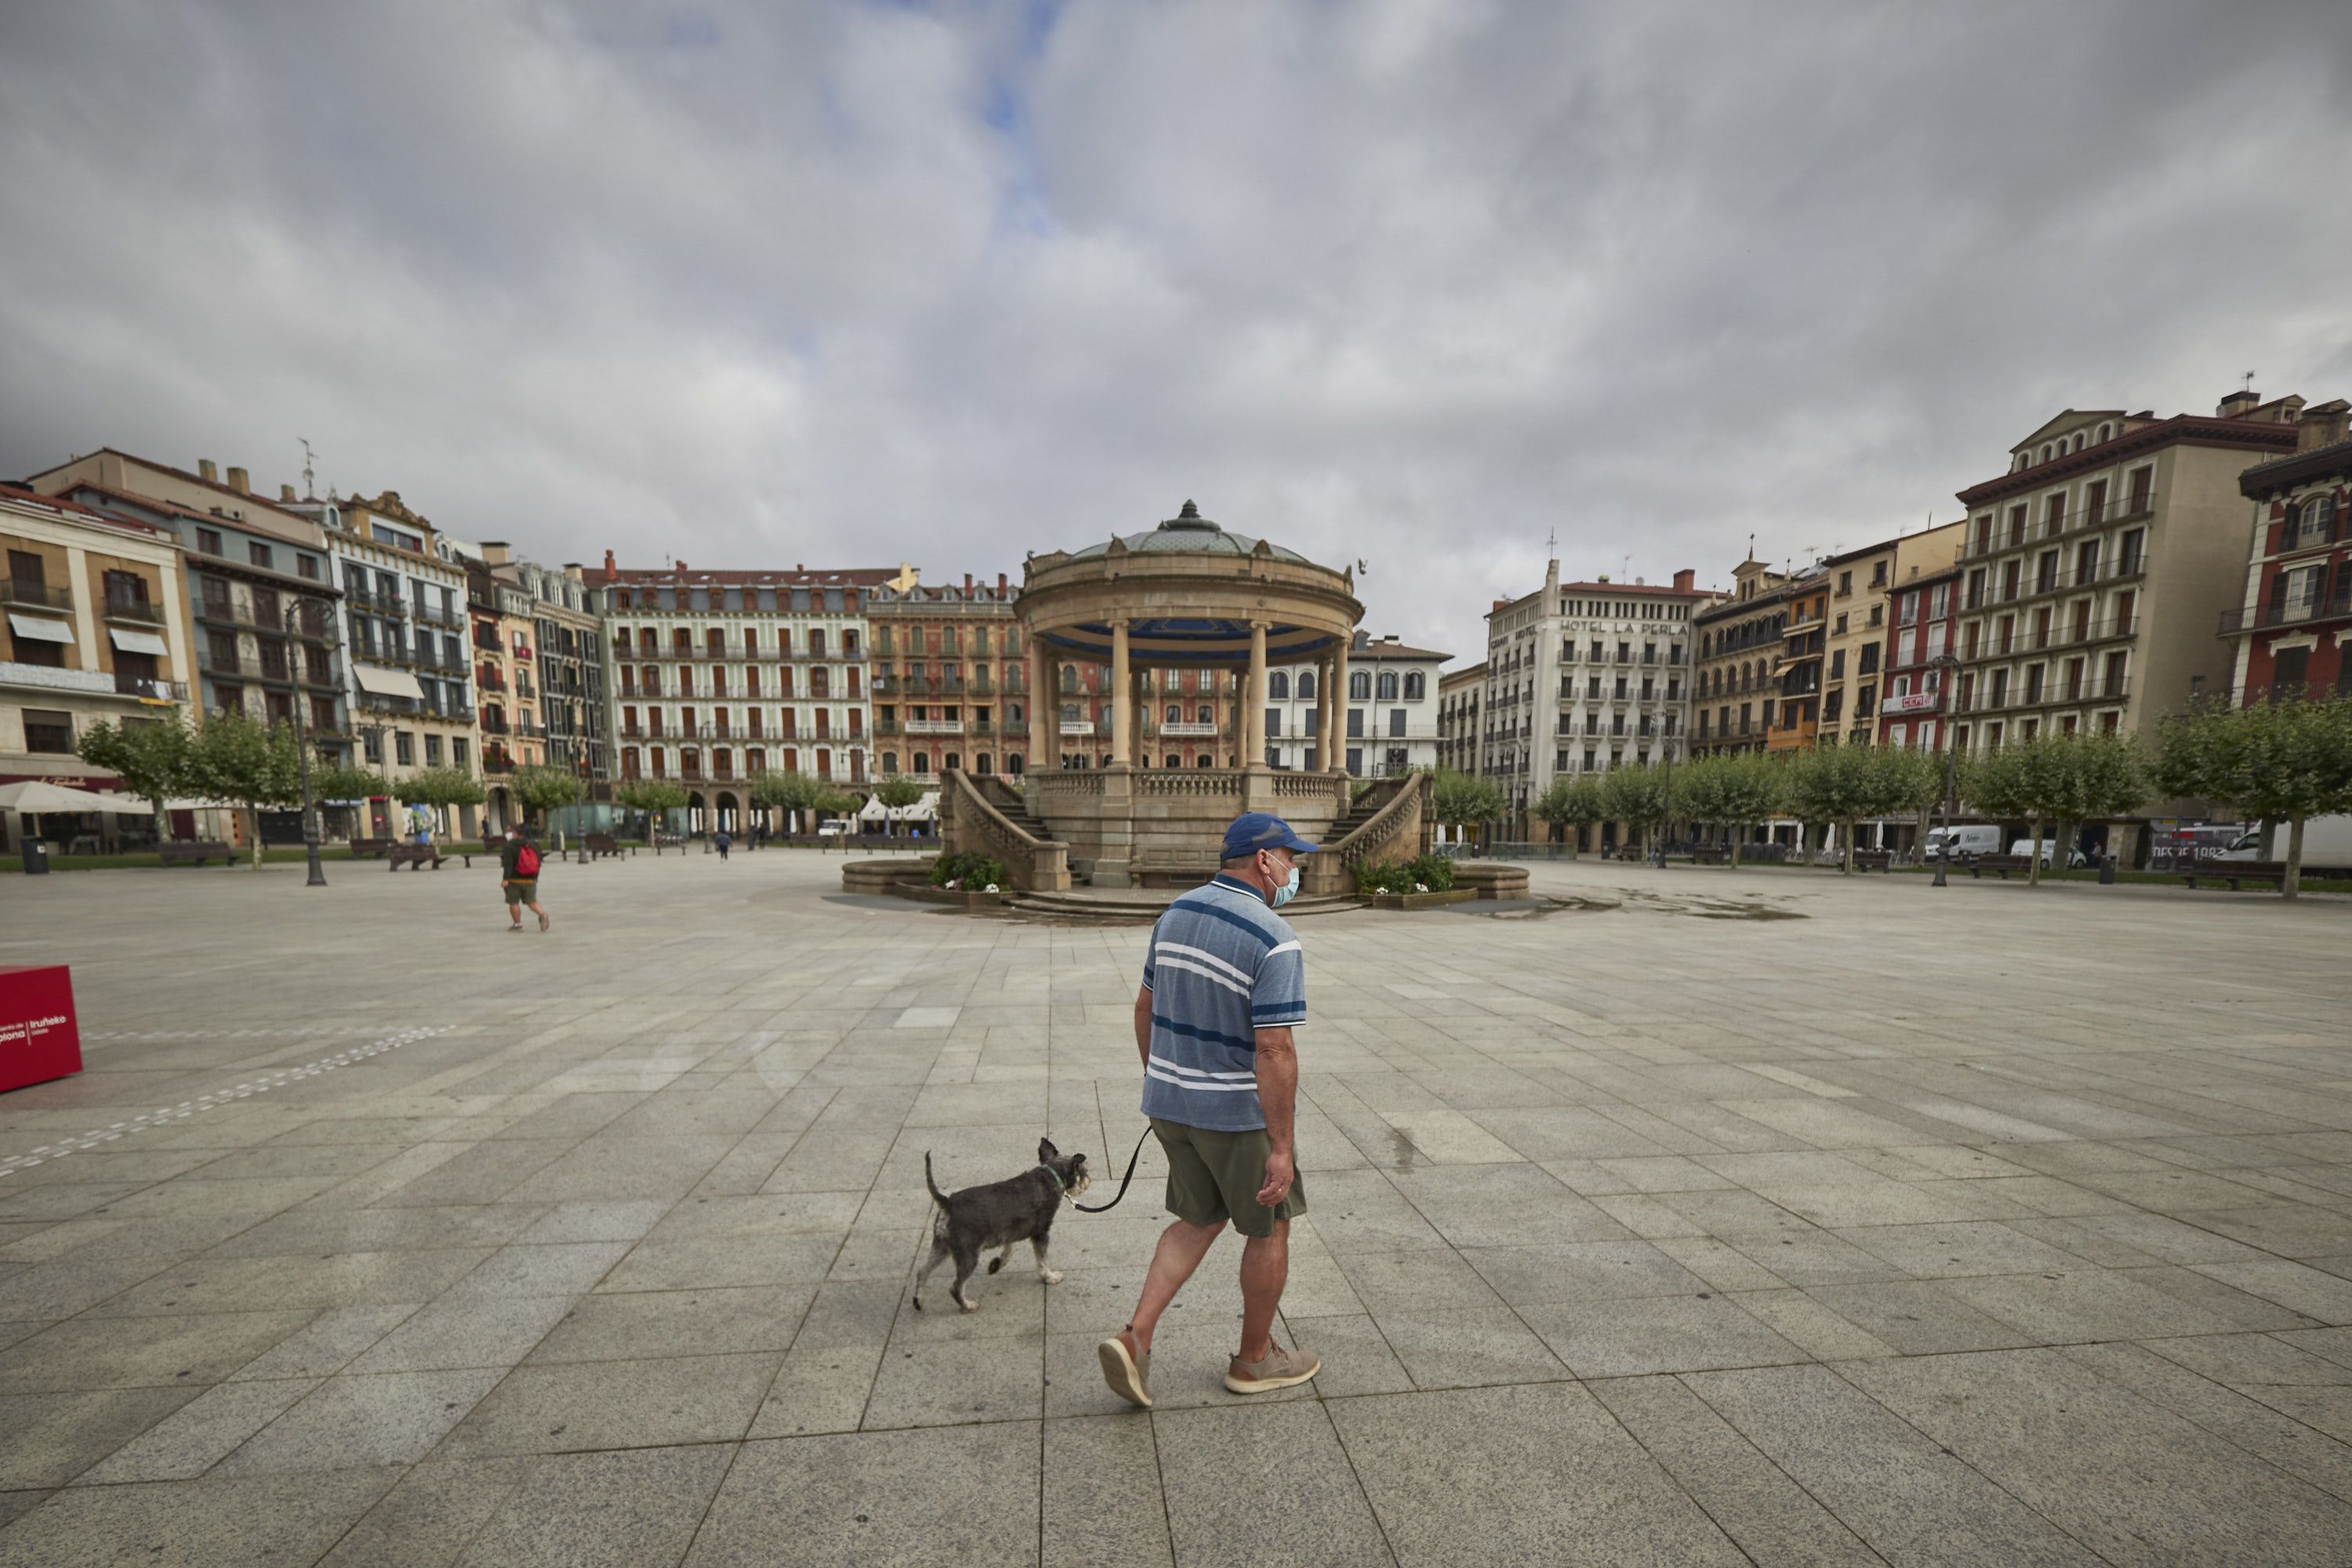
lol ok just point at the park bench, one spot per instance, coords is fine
(1709, 853)
(1874, 860)
(2001, 864)
(662, 841)
(426, 855)
(195, 851)
(2269, 873)
(376, 846)
(1173, 868)
(600, 845)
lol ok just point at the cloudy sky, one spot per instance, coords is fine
(1414, 282)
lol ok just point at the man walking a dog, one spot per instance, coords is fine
(1223, 983)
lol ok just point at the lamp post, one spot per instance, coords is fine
(1665, 797)
(1945, 664)
(297, 656)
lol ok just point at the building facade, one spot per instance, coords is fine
(1459, 695)
(2289, 630)
(1583, 676)
(96, 626)
(1797, 673)
(1861, 583)
(1391, 725)
(568, 650)
(950, 680)
(2093, 566)
(1922, 612)
(1739, 639)
(502, 637)
(719, 677)
(260, 593)
(405, 627)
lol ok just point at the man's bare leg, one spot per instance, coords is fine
(1265, 1267)
(1181, 1247)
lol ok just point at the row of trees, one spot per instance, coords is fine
(802, 799)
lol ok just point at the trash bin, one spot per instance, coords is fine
(2106, 871)
(36, 858)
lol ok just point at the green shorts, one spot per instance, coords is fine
(523, 892)
(1214, 1176)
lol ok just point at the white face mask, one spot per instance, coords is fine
(1289, 890)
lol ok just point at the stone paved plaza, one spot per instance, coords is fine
(1766, 1217)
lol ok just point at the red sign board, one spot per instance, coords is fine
(39, 1037)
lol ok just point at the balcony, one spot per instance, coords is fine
(885, 686)
(1013, 726)
(491, 680)
(375, 603)
(34, 596)
(934, 726)
(497, 765)
(450, 620)
(2135, 508)
(141, 612)
(2054, 694)
(1189, 728)
(2309, 612)
(2122, 570)
(1077, 727)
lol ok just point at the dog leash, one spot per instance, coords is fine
(1131, 1159)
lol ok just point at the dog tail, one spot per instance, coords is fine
(937, 1196)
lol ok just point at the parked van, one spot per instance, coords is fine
(1964, 841)
(2025, 847)
(2326, 842)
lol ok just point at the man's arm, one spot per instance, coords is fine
(1143, 1023)
(1277, 1097)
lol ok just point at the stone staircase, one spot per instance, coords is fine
(1013, 804)
(1141, 906)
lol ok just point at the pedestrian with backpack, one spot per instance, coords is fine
(518, 864)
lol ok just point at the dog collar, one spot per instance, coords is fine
(1059, 1186)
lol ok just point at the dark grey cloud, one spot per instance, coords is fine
(1414, 283)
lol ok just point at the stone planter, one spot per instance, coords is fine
(1491, 878)
(951, 898)
(1422, 901)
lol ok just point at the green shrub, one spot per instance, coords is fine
(971, 872)
(1427, 873)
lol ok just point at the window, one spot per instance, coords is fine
(1387, 686)
(48, 731)
(257, 552)
(1359, 689)
(1274, 722)
(404, 748)
(1277, 687)
(1307, 685)
(307, 565)
(1355, 731)
(432, 751)
(1396, 723)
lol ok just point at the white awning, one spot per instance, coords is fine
(39, 628)
(138, 642)
(388, 682)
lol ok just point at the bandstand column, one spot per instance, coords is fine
(1337, 760)
(1122, 700)
(1254, 694)
(1323, 712)
(1045, 708)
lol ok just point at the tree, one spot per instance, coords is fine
(345, 781)
(1573, 801)
(1911, 780)
(1736, 791)
(150, 757)
(794, 794)
(2278, 761)
(1460, 798)
(1635, 794)
(651, 796)
(897, 793)
(1835, 785)
(234, 760)
(542, 789)
(2056, 779)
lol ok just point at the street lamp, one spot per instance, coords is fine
(1665, 797)
(1945, 664)
(297, 656)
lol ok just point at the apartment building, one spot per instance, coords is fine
(1797, 673)
(2288, 631)
(951, 680)
(96, 630)
(502, 641)
(1922, 614)
(1458, 694)
(258, 588)
(720, 676)
(1391, 714)
(2093, 566)
(1860, 584)
(1739, 639)
(405, 628)
(567, 664)
(1582, 676)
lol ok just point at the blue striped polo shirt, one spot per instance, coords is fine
(1221, 966)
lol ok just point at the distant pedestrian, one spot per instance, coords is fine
(723, 842)
(518, 867)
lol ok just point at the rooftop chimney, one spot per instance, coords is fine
(2237, 403)
(207, 471)
(495, 553)
(238, 482)
(285, 494)
(2322, 424)
(572, 569)
(967, 585)
(1685, 579)
(999, 584)
(681, 568)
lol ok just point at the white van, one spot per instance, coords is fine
(2025, 847)
(2326, 841)
(1965, 841)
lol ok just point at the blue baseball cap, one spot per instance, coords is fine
(1254, 830)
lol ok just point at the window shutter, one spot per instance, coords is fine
(2278, 598)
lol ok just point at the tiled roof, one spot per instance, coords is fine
(1666, 590)
(820, 577)
(1188, 534)
(80, 514)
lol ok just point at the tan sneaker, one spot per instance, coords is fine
(1279, 1368)
(1127, 1371)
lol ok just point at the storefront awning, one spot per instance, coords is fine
(41, 628)
(138, 642)
(388, 682)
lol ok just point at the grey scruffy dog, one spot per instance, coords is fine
(998, 1215)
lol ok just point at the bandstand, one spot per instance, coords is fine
(1185, 596)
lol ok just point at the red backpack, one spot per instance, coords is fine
(526, 864)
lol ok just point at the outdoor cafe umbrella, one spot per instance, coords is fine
(37, 797)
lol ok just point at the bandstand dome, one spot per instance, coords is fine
(1187, 533)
